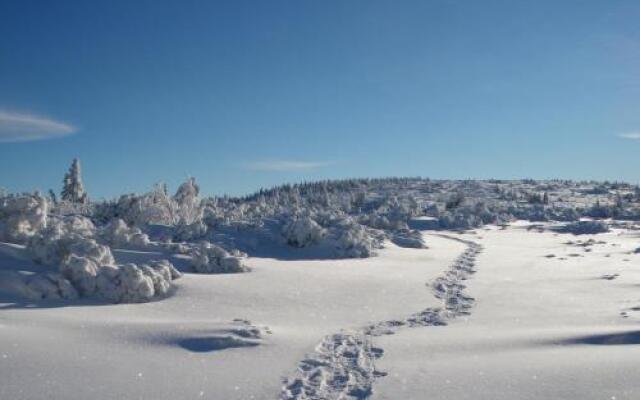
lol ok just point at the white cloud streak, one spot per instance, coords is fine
(630, 135)
(285, 165)
(20, 127)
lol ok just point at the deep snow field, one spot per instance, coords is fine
(544, 315)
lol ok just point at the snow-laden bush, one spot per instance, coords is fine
(76, 224)
(189, 232)
(303, 232)
(81, 272)
(393, 214)
(408, 238)
(584, 228)
(189, 206)
(208, 258)
(50, 285)
(156, 207)
(131, 283)
(355, 241)
(22, 216)
(118, 234)
(384, 222)
(329, 218)
(65, 237)
(459, 219)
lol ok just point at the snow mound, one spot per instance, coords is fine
(207, 258)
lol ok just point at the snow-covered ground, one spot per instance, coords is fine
(543, 327)
(538, 326)
(179, 347)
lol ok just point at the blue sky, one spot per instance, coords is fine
(244, 94)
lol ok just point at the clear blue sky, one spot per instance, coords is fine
(244, 94)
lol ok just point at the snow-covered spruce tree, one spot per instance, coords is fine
(73, 189)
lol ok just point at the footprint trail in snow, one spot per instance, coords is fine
(343, 364)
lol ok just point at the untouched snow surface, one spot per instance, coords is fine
(509, 313)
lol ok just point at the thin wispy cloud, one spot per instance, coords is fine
(285, 165)
(21, 127)
(630, 135)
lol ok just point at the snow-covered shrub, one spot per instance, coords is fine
(385, 222)
(134, 210)
(584, 228)
(118, 234)
(208, 258)
(50, 285)
(459, 219)
(81, 272)
(179, 248)
(53, 245)
(66, 237)
(189, 206)
(130, 283)
(393, 214)
(355, 241)
(156, 207)
(408, 238)
(328, 218)
(303, 232)
(76, 224)
(166, 269)
(189, 232)
(22, 216)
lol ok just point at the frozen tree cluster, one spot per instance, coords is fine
(64, 237)
(79, 266)
(75, 238)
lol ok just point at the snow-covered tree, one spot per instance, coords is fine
(188, 203)
(73, 189)
(22, 216)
